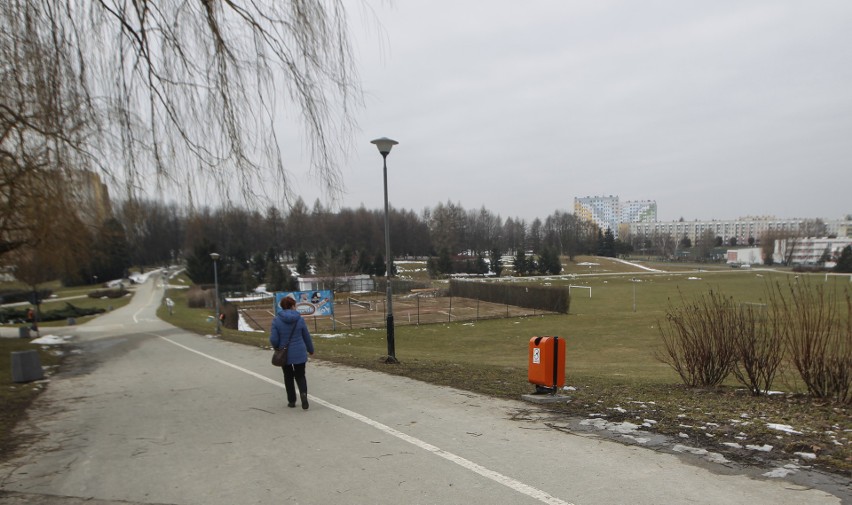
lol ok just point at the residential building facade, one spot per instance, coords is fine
(809, 250)
(746, 230)
(609, 212)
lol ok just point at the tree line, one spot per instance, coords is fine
(328, 242)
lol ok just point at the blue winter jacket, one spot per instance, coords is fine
(300, 344)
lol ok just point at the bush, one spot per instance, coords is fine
(68, 312)
(698, 342)
(817, 338)
(707, 339)
(231, 316)
(111, 293)
(198, 298)
(759, 347)
(21, 295)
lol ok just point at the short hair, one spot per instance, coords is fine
(288, 302)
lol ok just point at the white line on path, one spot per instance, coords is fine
(464, 463)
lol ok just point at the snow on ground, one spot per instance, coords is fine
(786, 428)
(51, 340)
(636, 265)
(242, 325)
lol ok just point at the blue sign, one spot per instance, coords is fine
(309, 303)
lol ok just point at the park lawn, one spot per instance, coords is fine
(78, 297)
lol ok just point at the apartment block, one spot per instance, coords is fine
(610, 212)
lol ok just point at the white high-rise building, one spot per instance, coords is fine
(610, 212)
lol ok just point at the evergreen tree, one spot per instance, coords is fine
(608, 244)
(445, 263)
(199, 265)
(844, 262)
(432, 268)
(496, 262)
(548, 262)
(302, 263)
(364, 265)
(258, 267)
(379, 267)
(275, 277)
(111, 251)
(521, 263)
(481, 265)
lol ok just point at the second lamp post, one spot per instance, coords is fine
(385, 144)
(215, 257)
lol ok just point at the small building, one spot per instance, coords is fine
(809, 250)
(350, 283)
(744, 256)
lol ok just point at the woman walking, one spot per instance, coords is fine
(289, 329)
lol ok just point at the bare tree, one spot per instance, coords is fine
(168, 91)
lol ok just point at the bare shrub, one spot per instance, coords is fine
(698, 342)
(198, 298)
(817, 338)
(759, 346)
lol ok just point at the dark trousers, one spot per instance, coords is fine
(295, 373)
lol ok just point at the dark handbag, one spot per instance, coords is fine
(279, 357)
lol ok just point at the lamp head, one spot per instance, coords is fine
(215, 256)
(384, 144)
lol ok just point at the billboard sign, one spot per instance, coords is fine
(309, 303)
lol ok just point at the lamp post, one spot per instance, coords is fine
(633, 280)
(215, 257)
(385, 144)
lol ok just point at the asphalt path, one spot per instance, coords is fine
(148, 413)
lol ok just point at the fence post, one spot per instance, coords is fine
(350, 311)
(450, 312)
(418, 310)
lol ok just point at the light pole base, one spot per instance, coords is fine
(390, 360)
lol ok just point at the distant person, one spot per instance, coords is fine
(288, 328)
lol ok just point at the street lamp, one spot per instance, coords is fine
(385, 144)
(215, 257)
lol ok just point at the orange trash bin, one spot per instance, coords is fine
(547, 363)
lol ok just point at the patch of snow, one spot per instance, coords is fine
(51, 340)
(242, 325)
(624, 428)
(805, 455)
(714, 457)
(779, 473)
(786, 428)
(683, 435)
(761, 448)
(251, 298)
(638, 440)
(732, 445)
(693, 278)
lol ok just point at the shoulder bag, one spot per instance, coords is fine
(279, 357)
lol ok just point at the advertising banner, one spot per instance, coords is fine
(309, 303)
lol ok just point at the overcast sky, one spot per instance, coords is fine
(715, 109)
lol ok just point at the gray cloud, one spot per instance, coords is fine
(714, 109)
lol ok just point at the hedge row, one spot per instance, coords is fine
(547, 299)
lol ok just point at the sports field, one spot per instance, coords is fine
(369, 310)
